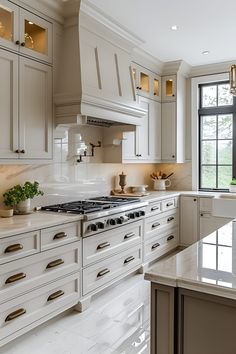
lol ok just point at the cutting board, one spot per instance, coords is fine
(136, 194)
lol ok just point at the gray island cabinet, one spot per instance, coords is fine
(193, 297)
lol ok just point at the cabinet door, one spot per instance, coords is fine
(9, 25)
(8, 104)
(155, 137)
(35, 36)
(168, 88)
(143, 131)
(129, 146)
(188, 220)
(155, 87)
(168, 129)
(35, 104)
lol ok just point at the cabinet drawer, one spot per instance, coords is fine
(168, 204)
(59, 235)
(155, 224)
(18, 246)
(110, 242)
(23, 275)
(159, 245)
(26, 309)
(109, 269)
(154, 208)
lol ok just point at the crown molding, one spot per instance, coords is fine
(143, 58)
(210, 69)
(99, 16)
(50, 8)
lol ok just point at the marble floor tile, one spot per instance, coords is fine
(116, 322)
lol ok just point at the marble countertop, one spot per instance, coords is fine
(159, 195)
(208, 266)
(35, 221)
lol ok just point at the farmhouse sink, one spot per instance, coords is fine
(224, 205)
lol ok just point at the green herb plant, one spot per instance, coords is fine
(20, 193)
(233, 182)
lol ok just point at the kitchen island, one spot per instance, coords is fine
(193, 297)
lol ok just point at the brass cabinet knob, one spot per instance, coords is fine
(22, 44)
(17, 42)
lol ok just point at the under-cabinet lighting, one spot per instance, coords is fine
(30, 23)
(174, 28)
(205, 52)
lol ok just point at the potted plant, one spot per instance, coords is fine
(232, 186)
(18, 197)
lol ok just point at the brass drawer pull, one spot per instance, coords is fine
(170, 238)
(103, 245)
(55, 263)
(170, 219)
(156, 224)
(129, 259)
(129, 235)
(103, 272)
(15, 314)
(13, 248)
(55, 295)
(155, 245)
(60, 235)
(169, 204)
(15, 277)
(155, 208)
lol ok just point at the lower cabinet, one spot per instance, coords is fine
(36, 285)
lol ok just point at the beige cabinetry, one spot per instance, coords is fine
(173, 118)
(189, 220)
(147, 83)
(26, 108)
(24, 32)
(35, 285)
(26, 96)
(161, 232)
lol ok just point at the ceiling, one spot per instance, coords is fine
(203, 26)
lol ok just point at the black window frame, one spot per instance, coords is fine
(215, 111)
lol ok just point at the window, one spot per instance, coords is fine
(217, 133)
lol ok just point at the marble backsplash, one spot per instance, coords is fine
(88, 179)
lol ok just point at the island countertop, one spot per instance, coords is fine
(208, 266)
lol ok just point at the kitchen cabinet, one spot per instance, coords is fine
(168, 88)
(147, 83)
(24, 32)
(142, 145)
(189, 220)
(173, 118)
(26, 108)
(38, 284)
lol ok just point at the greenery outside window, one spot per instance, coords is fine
(217, 134)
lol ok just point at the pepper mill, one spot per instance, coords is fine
(122, 182)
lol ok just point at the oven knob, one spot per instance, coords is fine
(93, 227)
(142, 213)
(131, 216)
(113, 221)
(120, 220)
(101, 225)
(138, 214)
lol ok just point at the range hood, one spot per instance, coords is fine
(94, 78)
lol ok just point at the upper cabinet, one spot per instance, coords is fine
(147, 83)
(169, 88)
(24, 32)
(173, 118)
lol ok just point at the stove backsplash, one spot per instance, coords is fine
(63, 181)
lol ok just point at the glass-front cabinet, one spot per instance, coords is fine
(147, 83)
(169, 88)
(25, 32)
